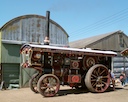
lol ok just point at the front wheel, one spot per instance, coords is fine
(33, 82)
(48, 85)
(97, 78)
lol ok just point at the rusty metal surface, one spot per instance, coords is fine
(31, 28)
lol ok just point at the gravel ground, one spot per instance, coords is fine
(66, 94)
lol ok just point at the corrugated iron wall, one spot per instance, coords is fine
(120, 64)
(32, 29)
(108, 43)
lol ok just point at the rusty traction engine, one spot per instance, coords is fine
(57, 66)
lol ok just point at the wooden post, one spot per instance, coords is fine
(0, 57)
(0, 45)
(124, 62)
(2, 85)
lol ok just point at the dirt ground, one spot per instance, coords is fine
(66, 94)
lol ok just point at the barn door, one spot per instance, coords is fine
(10, 73)
(26, 74)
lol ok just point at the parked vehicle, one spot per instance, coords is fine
(66, 66)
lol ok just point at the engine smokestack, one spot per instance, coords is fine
(46, 39)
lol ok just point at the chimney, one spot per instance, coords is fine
(46, 40)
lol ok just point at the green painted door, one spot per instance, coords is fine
(11, 73)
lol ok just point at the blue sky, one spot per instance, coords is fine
(79, 18)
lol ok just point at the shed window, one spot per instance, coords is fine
(121, 40)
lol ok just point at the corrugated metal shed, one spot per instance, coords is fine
(109, 41)
(24, 29)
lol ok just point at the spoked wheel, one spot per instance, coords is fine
(97, 78)
(33, 82)
(89, 61)
(48, 85)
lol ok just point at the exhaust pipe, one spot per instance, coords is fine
(46, 39)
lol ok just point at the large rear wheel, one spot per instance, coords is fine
(48, 85)
(97, 78)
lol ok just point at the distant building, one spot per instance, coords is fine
(114, 41)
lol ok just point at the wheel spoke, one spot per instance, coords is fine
(94, 75)
(99, 84)
(93, 80)
(102, 72)
(105, 76)
(96, 89)
(44, 88)
(105, 83)
(100, 88)
(45, 80)
(49, 79)
(49, 91)
(94, 84)
(98, 70)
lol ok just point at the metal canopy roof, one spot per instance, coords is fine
(54, 49)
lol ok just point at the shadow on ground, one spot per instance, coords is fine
(72, 91)
(82, 91)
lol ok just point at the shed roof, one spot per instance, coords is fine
(82, 43)
(31, 28)
(30, 16)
